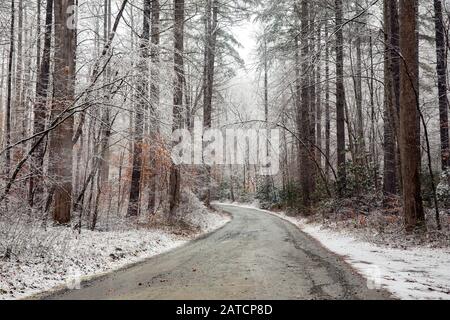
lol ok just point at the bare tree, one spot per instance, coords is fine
(390, 169)
(340, 98)
(143, 95)
(155, 98)
(19, 114)
(175, 172)
(304, 107)
(9, 89)
(441, 53)
(211, 24)
(360, 143)
(327, 101)
(106, 110)
(40, 109)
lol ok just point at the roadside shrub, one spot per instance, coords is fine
(443, 190)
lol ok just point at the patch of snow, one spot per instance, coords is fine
(69, 257)
(194, 212)
(416, 273)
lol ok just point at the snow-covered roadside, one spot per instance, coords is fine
(72, 258)
(416, 273)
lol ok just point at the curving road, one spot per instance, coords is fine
(256, 256)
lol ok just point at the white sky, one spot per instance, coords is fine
(245, 84)
(246, 34)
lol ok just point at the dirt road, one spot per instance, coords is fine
(256, 256)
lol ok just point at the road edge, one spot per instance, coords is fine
(341, 257)
(91, 279)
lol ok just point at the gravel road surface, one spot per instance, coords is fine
(255, 256)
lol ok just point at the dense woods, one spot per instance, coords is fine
(91, 92)
(369, 105)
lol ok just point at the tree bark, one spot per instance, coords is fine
(9, 90)
(142, 98)
(19, 114)
(209, 72)
(61, 162)
(441, 53)
(175, 172)
(304, 105)
(390, 169)
(395, 74)
(311, 74)
(327, 102)
(360, 143)
(340, 99)
(373, 119)
(106, 110)
(40, 110)
(154, 100)
(2, 115)
(38, 34)
(319, 110)
(409, 115)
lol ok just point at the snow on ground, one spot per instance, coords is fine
(415, 273)
(62, 257)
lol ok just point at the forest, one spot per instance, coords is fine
(118, 116)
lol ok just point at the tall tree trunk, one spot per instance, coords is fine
(327, 102)
(106, 110)
(40, 110)
(319, 110)
(268, 179)
(350, 132)
(409, 114)
(304, 115)
(154, 100)
(175, 174)
(27, 87)
(340, 99)
(390, 169)
(441, 53)
(360, 145)
(207, 108)
(61, 162)
(312, 101)
(2, 115)
(209, 72)
(373, 119)
(142, 92)
(188, 97)
(38, 34)
(394, 42)
(9, 89)
(18, 100)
